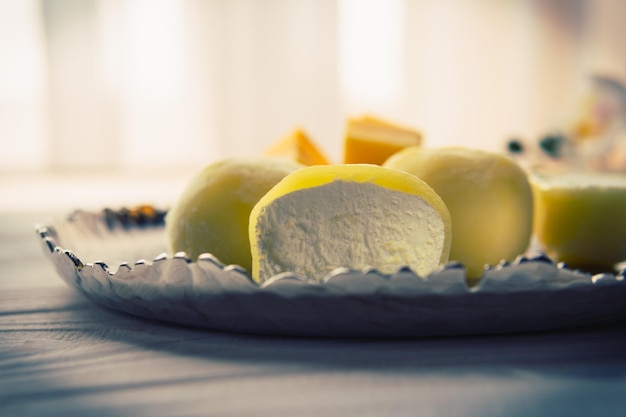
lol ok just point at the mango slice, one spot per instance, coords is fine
(213, 211)
(298, 147)
(489, 198)
(580, 218)
(321, 218)
(370, 140)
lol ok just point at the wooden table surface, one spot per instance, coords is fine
(61, 355)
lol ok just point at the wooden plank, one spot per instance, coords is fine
(61, 355)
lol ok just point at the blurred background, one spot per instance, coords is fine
(106, 102)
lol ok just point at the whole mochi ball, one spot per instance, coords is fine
(489, 198)
(213, 212)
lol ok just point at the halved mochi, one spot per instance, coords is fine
(358, 216)
(580, 218)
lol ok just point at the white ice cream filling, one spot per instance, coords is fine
(348, 224)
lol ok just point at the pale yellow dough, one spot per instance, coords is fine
(321, 218)
(489, 198)
(212, 214)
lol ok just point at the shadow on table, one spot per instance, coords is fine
(589, 365)
(566, 352)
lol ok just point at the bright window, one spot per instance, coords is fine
(168, 85)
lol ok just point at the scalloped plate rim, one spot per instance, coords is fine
(513, 281)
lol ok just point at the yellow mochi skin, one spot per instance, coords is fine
(580, 218)
(212, 214)
(321, 218)
(489, 198)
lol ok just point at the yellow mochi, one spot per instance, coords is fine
(321, 218)
(580, 218)
(212, 213)
(489, 198)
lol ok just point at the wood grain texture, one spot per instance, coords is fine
(61, 355)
